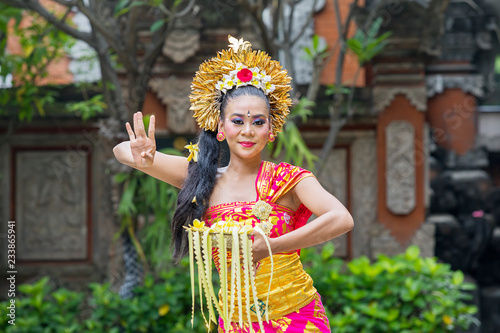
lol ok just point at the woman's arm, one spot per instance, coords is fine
(140, 153)
(333, 220)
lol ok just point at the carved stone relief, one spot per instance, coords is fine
(404, 19)
(181, 44)
(334, 180)
(51, 206)
(465, 31)
(472, 84)
(174, 92)
(363, 192)
(400, 167)
(426, 153)
(383, 96)
(383, 242)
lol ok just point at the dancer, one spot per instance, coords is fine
(242, 96)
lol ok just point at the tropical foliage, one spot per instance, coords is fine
(403, 293)
(40, 45)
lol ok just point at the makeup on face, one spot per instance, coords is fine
(246, 124)
(238, 119)
(247, 144)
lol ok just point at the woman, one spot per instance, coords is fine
(242, 96)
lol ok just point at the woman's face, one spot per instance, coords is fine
(246, 125)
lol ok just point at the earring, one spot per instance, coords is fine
(221, 136)
(271, 137)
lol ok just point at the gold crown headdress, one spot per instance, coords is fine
(239, 66)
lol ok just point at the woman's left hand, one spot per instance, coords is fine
(259, 246)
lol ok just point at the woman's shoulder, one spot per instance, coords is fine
(278, 179)
(284, 165)
(283, 176)
(287, 168)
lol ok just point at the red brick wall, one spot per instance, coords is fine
(58, 70)
(153, 106)
(452, 116)
(326, 26)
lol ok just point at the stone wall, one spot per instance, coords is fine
(55, 185)
(350, 174)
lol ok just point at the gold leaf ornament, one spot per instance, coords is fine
(262, 210)
(213, 78)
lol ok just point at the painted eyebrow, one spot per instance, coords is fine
(242, 116)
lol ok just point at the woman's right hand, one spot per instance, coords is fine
(143, 147)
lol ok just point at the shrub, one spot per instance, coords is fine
(159, 305)
(41, 310)
(404, 293)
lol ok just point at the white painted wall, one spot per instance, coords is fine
(84, 63)
(489, 130)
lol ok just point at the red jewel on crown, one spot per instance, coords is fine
(245, 75)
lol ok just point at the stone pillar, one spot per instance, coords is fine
(399, 97)
(460, 74)
(174, 93)
(401, 166)
(490, 308)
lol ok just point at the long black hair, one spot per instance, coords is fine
(200, 181)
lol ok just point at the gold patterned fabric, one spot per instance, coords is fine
(291, 287)
(292, 291)
(306, 320)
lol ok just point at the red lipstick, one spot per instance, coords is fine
(247, 143)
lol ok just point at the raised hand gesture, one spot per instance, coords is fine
(143, 147)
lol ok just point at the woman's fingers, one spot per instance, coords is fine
(148, 157)
(151, 130)
(130, 132)
(139, 125)
(258, 247)
(148, 153)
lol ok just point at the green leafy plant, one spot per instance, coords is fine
(148, 197)
(404, 293)
(290, 140)
(161, 304)
(316, 50)
(37, 309)
(89, 108)
(497, 65)
(367, 45)
(125, 6)
(40, 44)
(332, 89)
